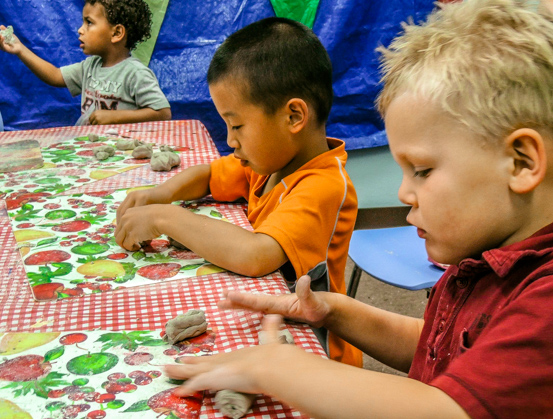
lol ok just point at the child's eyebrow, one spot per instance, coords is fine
(229, 113)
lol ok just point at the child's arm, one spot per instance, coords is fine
(45, 71)
(389, 337)
(145, 215)
(105, 117)
(315, 386)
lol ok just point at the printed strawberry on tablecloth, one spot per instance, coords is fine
(68, 247)
(95, 375)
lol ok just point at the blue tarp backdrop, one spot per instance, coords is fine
(191, 31)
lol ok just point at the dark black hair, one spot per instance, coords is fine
(277, 59)
(134, 15)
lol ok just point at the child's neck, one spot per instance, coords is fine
(313, 146)
(115, 56)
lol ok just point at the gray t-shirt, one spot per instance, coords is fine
(126, 85)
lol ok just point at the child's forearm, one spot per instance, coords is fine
(45, 71)
(328, 389)
(191, 183)
(389, 337)
(105, 117)
(222, 243)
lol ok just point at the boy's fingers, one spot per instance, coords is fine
(242, 300)
(271, 326)
(303, 287)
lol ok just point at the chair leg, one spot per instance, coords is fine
(354, 281)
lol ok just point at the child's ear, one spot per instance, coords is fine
(297, 113)
(526, 148)
(118, 33)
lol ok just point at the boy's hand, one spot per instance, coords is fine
(304, 306)
(233, 371)
(14, 47)
(102, 117)
(141, 198)
(137, 225)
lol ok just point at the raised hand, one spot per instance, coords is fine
(14, 47)
(305, 305)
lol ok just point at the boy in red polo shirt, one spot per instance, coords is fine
(468, 107)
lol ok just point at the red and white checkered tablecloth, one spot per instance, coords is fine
(146, 307)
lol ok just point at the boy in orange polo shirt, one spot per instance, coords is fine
(272, 84)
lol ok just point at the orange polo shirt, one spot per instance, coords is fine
(310, 213)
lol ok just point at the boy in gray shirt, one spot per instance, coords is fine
(115, 88)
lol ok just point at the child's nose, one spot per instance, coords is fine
(406, 193)
(231, 140)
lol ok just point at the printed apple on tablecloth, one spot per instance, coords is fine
(68, 247)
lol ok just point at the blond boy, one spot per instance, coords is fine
(468, 107)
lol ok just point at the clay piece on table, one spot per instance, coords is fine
(177, 244)
(143, 151)
(8, 35)
(103, 152)
(233, 404)
(165, 148)
(184, 326)
(93, 137)
(112, 131)
(128, 144)
(164, 161)
(284, 336)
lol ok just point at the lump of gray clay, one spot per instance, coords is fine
(103, 152)
(164, 161)
(165, 148)
(187, 325)
(93, 137)
(233, 404)
(142, 151)
(128, 144)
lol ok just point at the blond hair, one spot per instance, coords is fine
(486, 63)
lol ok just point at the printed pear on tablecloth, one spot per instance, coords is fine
(68, 247)
(95, 375)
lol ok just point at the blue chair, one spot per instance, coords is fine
(394, 255)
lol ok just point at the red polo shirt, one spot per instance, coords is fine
(488, 335)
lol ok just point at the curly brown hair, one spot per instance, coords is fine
(134, 15)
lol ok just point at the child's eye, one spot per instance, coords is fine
(236, 127)
(422, 173)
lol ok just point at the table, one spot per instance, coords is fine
(145, 307)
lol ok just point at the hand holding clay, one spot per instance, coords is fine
(234, 404)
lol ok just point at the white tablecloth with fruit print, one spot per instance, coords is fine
(123, 309)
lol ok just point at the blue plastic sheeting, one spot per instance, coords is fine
(190, 34)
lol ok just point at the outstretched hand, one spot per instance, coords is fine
(304, 306)
(13, 47)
